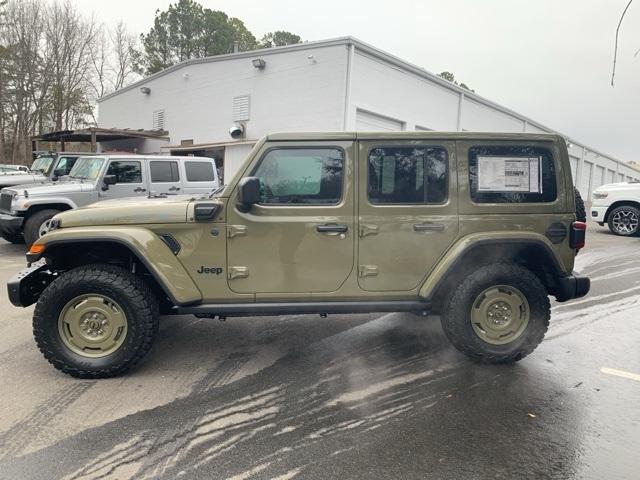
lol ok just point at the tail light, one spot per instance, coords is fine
(577, 235)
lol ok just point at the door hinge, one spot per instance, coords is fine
(238, 272)
(236, 230)
(368, 229)
(367, 271)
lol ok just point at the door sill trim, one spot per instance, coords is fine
(300, 308)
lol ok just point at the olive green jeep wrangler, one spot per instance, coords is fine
(478, 228)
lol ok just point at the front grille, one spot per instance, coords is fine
(5, 201)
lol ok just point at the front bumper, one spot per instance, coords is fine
(25, 287)
(10, 225)
(598, 213)
(572, 286)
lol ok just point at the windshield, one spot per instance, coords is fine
(42, 164)
(87, 168)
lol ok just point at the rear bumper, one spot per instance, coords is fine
(10, 225)
(572, 286)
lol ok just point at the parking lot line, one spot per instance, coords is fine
(621, 373)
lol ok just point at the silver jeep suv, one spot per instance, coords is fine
(25, 210)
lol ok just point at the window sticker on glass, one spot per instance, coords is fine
(509, 174)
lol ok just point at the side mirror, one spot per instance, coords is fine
(57, 174)
(248, 193)
(108, 180)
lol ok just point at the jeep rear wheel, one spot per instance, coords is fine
(37, 225)
(95, 321)
(624, 220)
(499, 314)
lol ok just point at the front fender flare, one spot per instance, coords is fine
(144, 244)
(29, 202)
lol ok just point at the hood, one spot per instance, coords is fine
(128, 211)
(54, 189)
(618, 186)
(12, 179)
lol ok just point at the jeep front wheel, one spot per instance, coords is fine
(499, 314)
(37, 225)
(95, 321)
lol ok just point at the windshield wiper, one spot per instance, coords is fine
(217, 190)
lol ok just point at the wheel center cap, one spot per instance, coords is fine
(499, 314)
(94, 324)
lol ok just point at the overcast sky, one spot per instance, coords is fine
(547, 59)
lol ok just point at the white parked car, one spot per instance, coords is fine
(618, 205)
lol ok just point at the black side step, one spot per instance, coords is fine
(299, 308)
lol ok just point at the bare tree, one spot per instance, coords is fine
(69, 37)
(123, 44)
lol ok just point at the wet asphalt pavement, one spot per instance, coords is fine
(360, 396)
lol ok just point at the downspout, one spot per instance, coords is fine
(459, 121)
(347, 86)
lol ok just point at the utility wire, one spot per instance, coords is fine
(615, 49)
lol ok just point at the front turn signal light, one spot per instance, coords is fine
(36, 249)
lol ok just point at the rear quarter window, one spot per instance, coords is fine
(512, 174)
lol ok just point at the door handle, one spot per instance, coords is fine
(332, 228)
(140, 189)
(428, 227)
(174, 189)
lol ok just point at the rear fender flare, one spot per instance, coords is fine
(464, 248)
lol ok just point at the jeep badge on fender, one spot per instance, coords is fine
(210, 270)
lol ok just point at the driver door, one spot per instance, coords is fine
(300, 237)
(131, 178)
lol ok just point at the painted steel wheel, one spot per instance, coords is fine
(498, 314)
(92, 325)
(96, 321)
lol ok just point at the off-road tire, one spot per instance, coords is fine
(581, 211)
(33, 222)
(130, 292)
(15, 238)
(616, 210)
(456, 316)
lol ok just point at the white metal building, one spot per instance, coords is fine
(339, 84)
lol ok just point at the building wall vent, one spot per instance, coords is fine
(158, 120)
(241, 108)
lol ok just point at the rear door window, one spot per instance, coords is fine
(163, 171)
(407, 175)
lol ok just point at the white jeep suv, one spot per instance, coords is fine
(618, 205)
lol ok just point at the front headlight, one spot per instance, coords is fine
(598, 195)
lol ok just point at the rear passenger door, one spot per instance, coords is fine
(164, 177)
(407, 211)
(199, 176)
